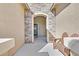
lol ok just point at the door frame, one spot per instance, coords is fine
(39, 14)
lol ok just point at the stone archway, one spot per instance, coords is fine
(43, 9)
(43, 15)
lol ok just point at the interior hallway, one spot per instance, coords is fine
(31, 49)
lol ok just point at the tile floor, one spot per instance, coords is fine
(31, 49)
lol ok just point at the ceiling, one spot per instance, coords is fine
(39, 7)
(55, 8)
(58, 7)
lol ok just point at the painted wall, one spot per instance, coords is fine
(68, 20)
(12, 23)
(41, 21)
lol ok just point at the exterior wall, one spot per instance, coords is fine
(68, 20)
(12, 24)
(41, 21)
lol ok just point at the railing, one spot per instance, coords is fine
(57, 44)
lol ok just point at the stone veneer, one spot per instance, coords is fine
(28, 27)
(39, 8)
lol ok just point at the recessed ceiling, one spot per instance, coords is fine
(58, 7)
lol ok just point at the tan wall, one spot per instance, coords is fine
(12, 23)
(41, 21)
(68, 20)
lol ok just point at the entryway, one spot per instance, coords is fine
(32, 49)
(40, 28)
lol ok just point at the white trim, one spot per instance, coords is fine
(32, 28)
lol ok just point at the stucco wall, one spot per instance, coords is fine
(12, 23)
(68, 20)
(41, 21)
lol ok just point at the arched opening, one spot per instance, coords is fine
(39, 27)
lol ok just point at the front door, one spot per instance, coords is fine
(35, 30)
